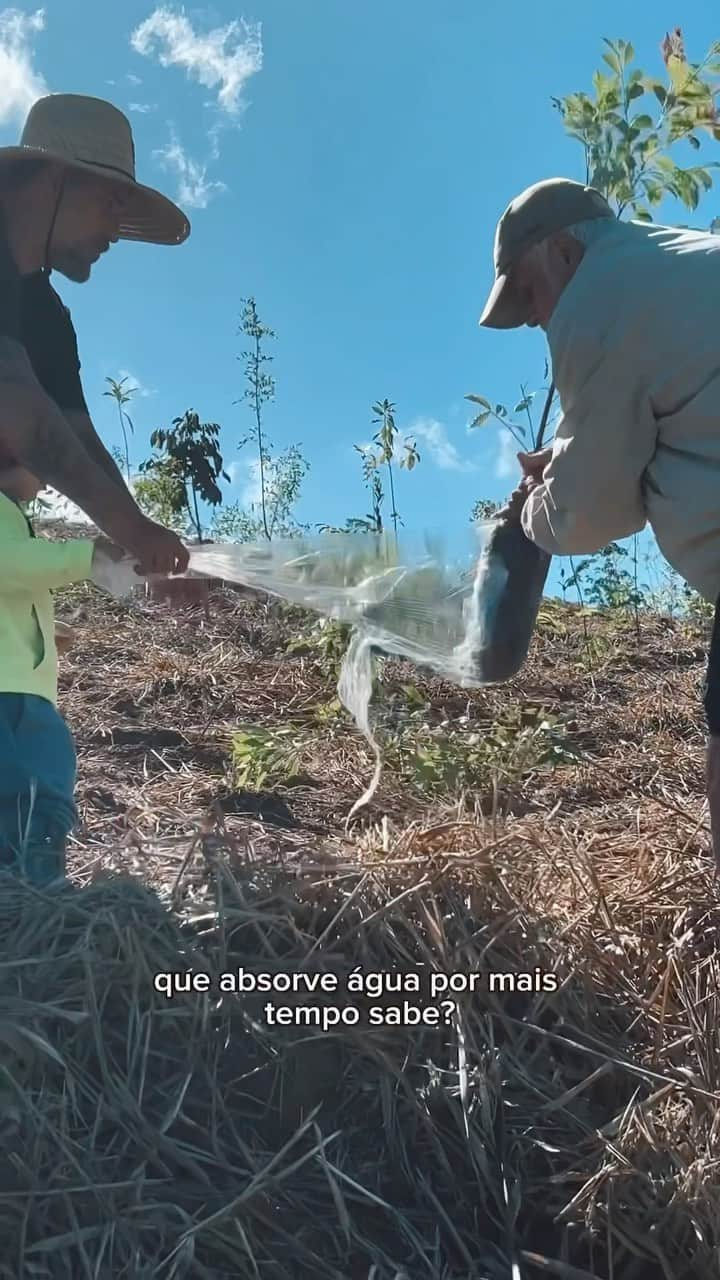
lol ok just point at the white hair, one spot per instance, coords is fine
(591, 230)
(586, 233)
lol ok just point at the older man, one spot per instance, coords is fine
(630, 311)
(68, 192)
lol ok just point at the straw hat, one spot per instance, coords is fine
(92, 135)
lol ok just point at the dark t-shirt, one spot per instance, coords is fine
(32, 313)
(48, 336)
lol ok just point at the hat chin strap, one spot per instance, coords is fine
(46, 257)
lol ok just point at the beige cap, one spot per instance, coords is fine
(90, 134)
(538, 211)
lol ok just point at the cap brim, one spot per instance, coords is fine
(503, 309)
(149, 216)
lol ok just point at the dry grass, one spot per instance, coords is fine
(572, 1133)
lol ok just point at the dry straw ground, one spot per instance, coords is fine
(568, 1134)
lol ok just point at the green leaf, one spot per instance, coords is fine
(613, 62)
(694, 142)
(480, 420)
(641, 213)
(643, 122)
(634, 91)
(524, 404)
(628, 54)
(501, 411)
(666, 165)
(648, 146)
(480, 400)
(660, 92)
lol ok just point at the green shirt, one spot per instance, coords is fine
(30, 569)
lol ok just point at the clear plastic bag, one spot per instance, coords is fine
(117, 577)
(470, 619)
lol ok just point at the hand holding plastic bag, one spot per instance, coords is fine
(113, 569)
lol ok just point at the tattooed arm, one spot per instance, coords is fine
(36, 433)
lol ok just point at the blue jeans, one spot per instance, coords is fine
(36, 752)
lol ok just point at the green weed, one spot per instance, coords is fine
(264, 758)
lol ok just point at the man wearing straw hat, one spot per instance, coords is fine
(68, 192)
(630, 311)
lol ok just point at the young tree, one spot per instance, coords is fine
(373, 521)
(384, 453)
(385, 440)
(501, 415)
(260, 390)
(122, 395)
(625, 147)
(161, 494)
(190, 458)
(284, 476)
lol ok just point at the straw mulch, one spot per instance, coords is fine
(571, 1132)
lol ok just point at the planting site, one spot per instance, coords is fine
(359, 756)
(562, 1122)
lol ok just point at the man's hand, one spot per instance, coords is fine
(158, 550)
(513, 509)
(111, 550)
(533, 464)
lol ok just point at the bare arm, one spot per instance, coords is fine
(84, 428)
(36, 432)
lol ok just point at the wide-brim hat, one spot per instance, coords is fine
(91, 135)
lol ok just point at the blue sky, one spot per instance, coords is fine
(346, 163)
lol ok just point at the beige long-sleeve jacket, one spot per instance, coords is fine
(635, 347)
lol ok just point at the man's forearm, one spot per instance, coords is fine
(82, 425)
(36, 433)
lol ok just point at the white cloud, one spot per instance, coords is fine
(506, 463)
(251, 495)
(440, 449)
(132, 381)
(195, 189)
(224, 58)
(142, 107)
(132, 78)
(245, 476)
(20, 83)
